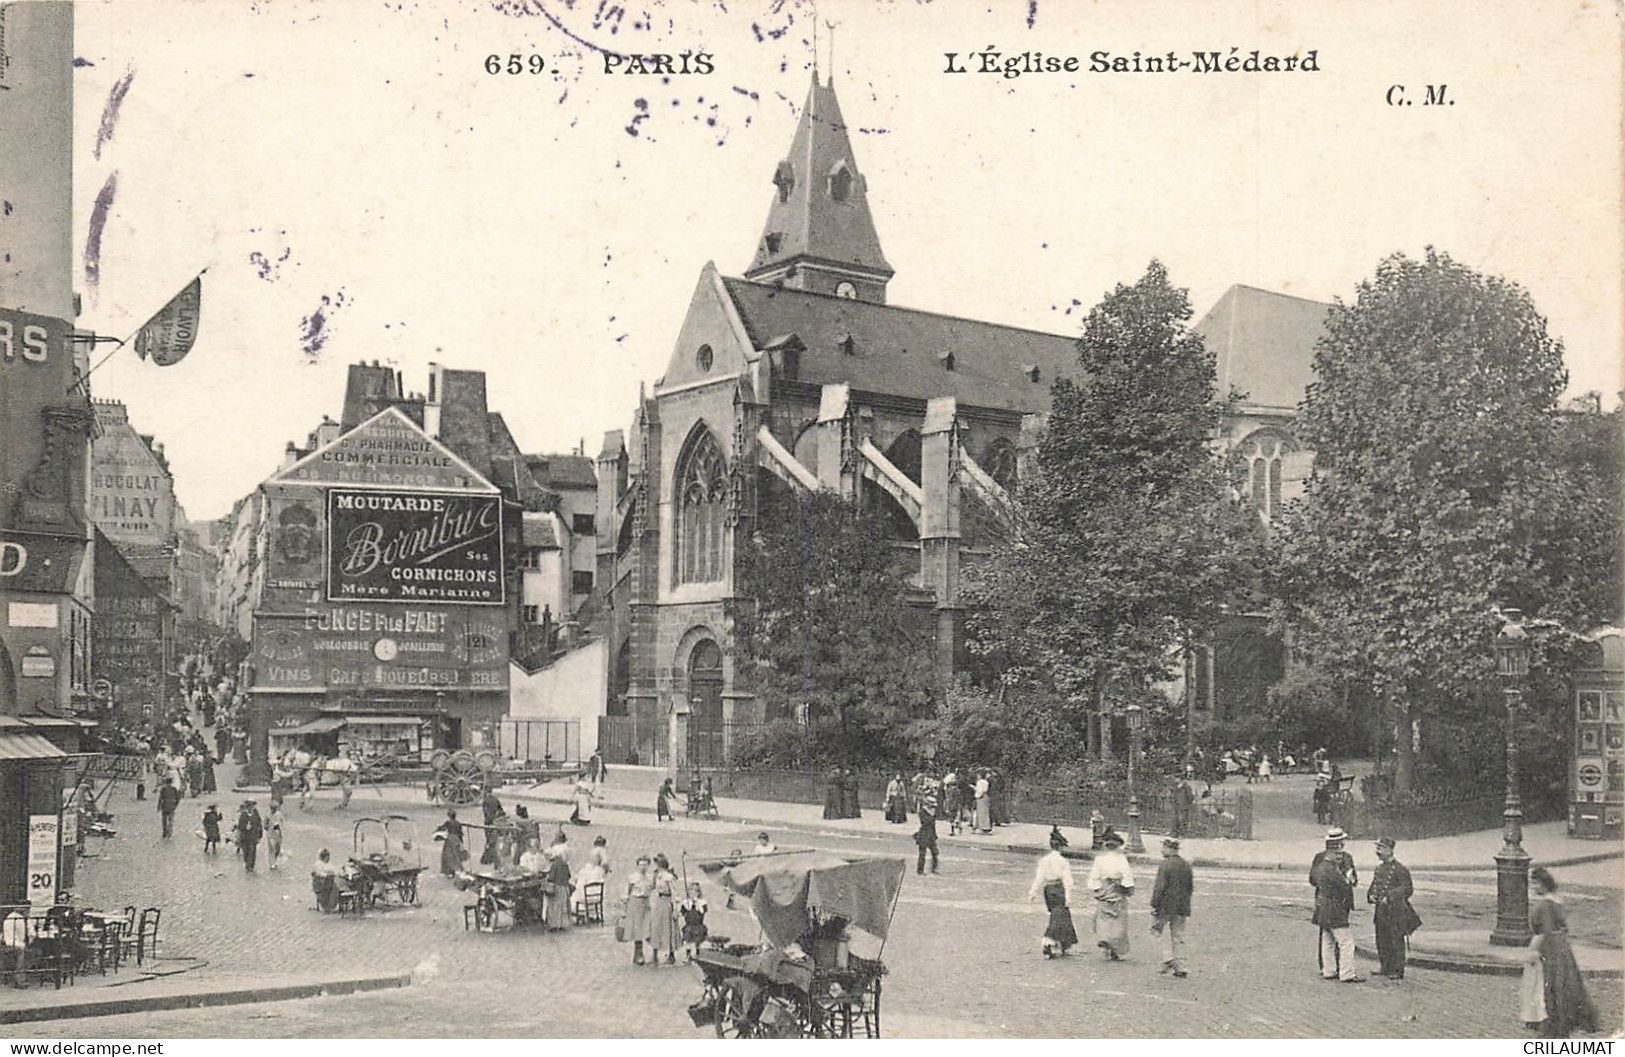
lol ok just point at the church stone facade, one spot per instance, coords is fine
(798, 374)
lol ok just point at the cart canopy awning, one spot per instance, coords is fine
(386, 721)
(782, 889)
(321, 725)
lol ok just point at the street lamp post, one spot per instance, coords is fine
(1136, 718)
(1512, 862)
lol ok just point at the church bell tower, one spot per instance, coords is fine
(820, 236)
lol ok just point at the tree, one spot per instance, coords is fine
(1435, 493)
(830, 636)
(1129, 539)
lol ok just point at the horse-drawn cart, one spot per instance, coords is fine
(462, 777)
(805, 982)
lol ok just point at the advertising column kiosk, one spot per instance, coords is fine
(1597, 762)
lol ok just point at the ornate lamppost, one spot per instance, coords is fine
(1512, 862)
(1136, 719)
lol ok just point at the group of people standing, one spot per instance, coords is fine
(658, 915)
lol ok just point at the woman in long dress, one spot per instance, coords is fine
(663, 912)
(1554, 994)
(984, 804)
(635, 921)
(451, 852)
(1054, 879)
(582, 815)
(595, 870)
(1112, 883)
(896, 800)
(558, 892)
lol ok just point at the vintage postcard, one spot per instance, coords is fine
(504, 500)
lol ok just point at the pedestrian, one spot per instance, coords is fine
(1184, 799)
(1322, 800)
(452, 852)
(984, 807)
(692, 910)
(250, 829)
(1393, 917)
(1053, 878)
(596, 871)
(832, 793)
(1171, 906)
(1264, 769)
(581, 814)
(211, 830)
(273, 833)
(663, 912)
(1334, 878)
(1112, 882)
(663, 801)
(1554, 997)
(494, 816)
(633, 927)
(952, 802)
(896, 800)
(169, 798)
(222, 743)
(764, 845)
(559, 888)
(324, 882)
(194, 773)
(597, 772)
(926, 838)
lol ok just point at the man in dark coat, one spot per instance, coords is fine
(250, 829)
(1334, 878)
(1171, 905)
(926, 835)
(169, 798)
(1390, 895)
(491, 810)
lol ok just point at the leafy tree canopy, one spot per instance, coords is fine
(831, 635)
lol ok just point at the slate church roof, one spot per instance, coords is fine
(1264, 343)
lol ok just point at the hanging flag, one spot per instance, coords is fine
(168, 336)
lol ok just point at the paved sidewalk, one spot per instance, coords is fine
(140, 994)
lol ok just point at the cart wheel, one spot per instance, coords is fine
(485, 913)
(462, 779)
(486, 759)
(408, 889)
(439, 758)
(735, 1017)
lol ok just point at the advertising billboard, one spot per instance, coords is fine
(396, 546)
(347, 646)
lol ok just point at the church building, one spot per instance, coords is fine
(799, 374)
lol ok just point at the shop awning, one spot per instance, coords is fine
(320, 725)
(386, 721)
(28, 747)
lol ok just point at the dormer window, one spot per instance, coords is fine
(946, 358)
(1031, 371)
(849, 347)
(840, 182)
(773, 239)
(784, 178)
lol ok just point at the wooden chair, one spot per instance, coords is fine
(127, 935)
(146, 935)
(590, 911)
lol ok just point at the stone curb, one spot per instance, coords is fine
(1446, 962)
(100, 1007)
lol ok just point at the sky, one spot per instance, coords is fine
(359, 187)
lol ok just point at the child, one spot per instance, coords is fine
(211, 830)
(663, 801)
(693, 911)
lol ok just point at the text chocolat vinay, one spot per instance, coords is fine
(405, 548)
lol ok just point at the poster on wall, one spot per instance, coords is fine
(390, 546)
(43, 834)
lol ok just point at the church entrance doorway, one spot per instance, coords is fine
(705, 741)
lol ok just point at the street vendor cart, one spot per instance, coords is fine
(385, 863)
(518, 893)
(805, 980)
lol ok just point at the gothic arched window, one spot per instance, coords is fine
(1263, 455)
(701, 490)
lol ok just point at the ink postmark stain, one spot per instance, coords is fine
(98, 223)
(316, 329)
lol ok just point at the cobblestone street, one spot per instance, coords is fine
(963, 951)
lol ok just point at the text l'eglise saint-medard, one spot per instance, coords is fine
(1233, 60)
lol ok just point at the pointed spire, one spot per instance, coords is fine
(819, 234)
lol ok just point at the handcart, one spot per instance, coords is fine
(804, 982)
(386, 861)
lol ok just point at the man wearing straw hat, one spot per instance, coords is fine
(1334, 878)
(1171, 905)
